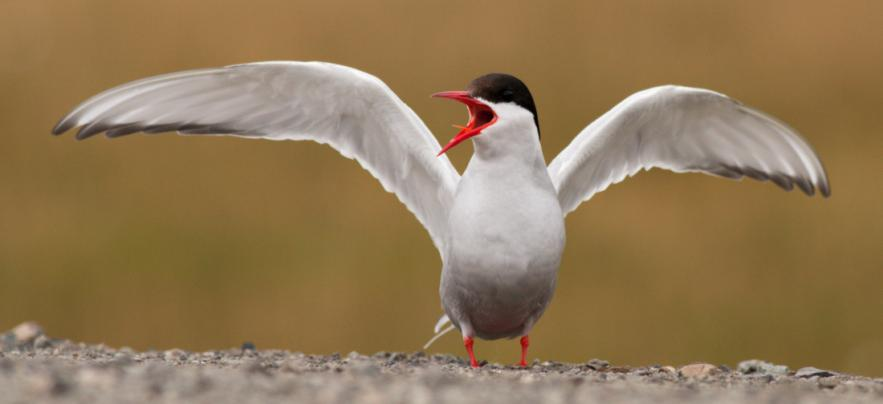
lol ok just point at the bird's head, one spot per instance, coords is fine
(486, 98)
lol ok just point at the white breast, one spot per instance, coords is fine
(504, 219)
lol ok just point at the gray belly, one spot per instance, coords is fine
(491, 307)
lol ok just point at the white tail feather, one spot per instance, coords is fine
(441, 323)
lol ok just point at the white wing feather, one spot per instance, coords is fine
(352, 111)
(683, 130)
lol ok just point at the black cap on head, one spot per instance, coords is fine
(501, 87)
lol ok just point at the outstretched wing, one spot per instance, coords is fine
(352, 111)
(683, 129)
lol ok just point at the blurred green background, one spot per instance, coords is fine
(203, 243)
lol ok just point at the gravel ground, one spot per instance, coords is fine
(34, 368)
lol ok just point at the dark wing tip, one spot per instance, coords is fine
(63, 125)
(805, 186)
(92, 129)
(825, 188)
(784, 181)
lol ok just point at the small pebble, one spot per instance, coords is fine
(174, 355)
(755, 366)
(42, 342)
(598, 364)
(811, 372)
(27, 332)
(828, 382)
(699, 370)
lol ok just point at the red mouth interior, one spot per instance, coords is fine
(481, 117)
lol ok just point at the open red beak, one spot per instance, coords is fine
(481, 116)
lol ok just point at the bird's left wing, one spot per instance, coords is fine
(352, 111)
(684, 130)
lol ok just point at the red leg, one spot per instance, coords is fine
(468, 342)
(525, 342)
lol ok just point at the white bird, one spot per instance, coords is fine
(500, 226)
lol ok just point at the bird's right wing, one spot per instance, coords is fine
(683, 129)
(351, 111)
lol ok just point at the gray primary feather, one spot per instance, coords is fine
(352, 111)
(684, 130)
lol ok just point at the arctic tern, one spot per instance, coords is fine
(499, 227)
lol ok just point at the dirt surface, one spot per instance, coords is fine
(34, 367)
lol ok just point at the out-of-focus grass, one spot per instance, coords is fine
(203, 243)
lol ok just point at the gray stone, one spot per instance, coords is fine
(760, 367)
(42, 342)
(811, 372)
(598, 364)
(828, 382)
(175, 355)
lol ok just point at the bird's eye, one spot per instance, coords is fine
(507, 94)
